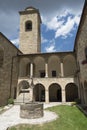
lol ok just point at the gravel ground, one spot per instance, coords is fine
(12, 117)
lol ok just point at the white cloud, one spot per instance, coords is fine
(9, 18)
(77, 19)
(64, 13)
(52, 24)
(43, 40)
(62, 24)
(51, 46)
(15, 42)
(66, 28)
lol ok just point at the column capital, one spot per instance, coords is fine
(63, 89)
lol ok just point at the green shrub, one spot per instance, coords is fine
(10, 101)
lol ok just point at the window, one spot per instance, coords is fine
(86, 52)
(42, 74)
(53, 73)
(28, 26)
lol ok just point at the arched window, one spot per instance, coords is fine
(28, 26)
(1, 57)
(86, 52)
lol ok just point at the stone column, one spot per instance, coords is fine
(63, 96)
(31, 70)
(46, 69)
(31, 94)
(62, 70)
(47, 96)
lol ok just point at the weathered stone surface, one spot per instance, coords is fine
(8, 69)
(80, 46)
(30, 41)
(31, 110)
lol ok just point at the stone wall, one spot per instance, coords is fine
(8, 71)
(80, 45)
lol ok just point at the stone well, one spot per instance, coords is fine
(31, 110)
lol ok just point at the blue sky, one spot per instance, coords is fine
(60, 20)
(59, 33)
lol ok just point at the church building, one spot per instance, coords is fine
(27, 74)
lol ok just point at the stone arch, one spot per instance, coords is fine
(69, 66)
(71, 90)
(39, 67)
(24, 67)
(54, 69)
(55, 94)
(1, 57)
(23, 85)
(39, 92)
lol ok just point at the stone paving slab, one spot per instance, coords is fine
(12, 117)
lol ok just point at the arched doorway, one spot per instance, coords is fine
(71, 92)
(39, 93)
(55, 93)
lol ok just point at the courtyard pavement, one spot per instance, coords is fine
(11, 117)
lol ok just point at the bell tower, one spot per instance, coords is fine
(30, 35)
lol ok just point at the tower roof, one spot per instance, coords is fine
(30, 10)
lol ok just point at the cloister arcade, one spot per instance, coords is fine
(43, 66)
(53, 78)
